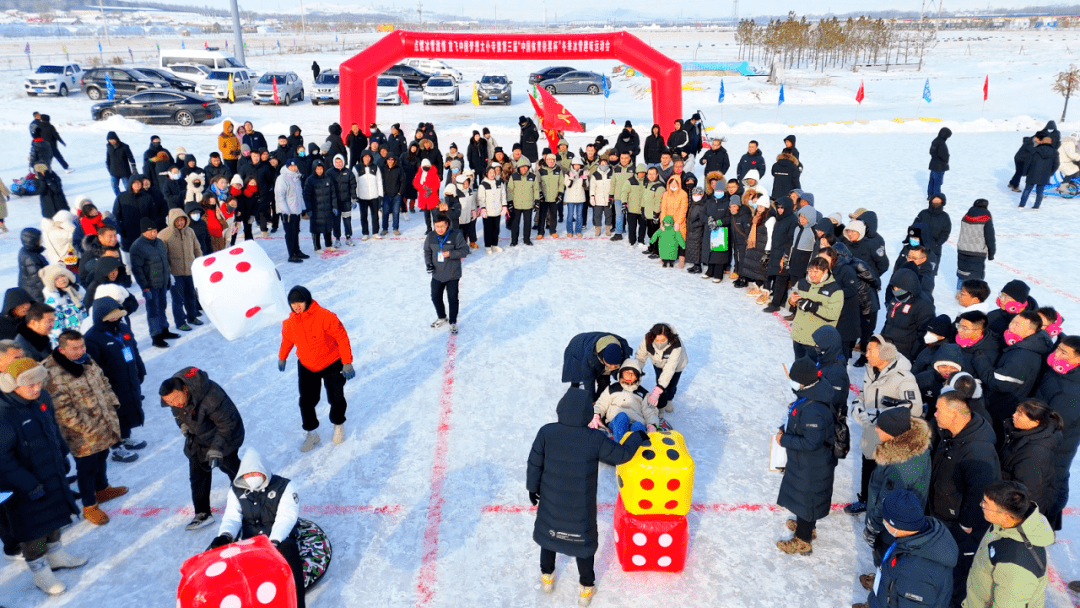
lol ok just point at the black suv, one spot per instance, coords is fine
(176, 82)
(414, 78)
(125, 81)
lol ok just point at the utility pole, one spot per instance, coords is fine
(303, 22)
(420, 14)
(735, 11)
(238, 34)
(105, 21)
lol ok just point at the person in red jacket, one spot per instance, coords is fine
(323, 357)
(427, 182)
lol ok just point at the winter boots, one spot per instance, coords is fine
(497, 249)
(201, 520)
(795, 546)
(110, 493)
(695, 269)
(57, 558)
(790, 525)
(95, 515)
(122, 454)
(339, 434)
(547, 582)
(44, 578)
(310, 441)
(855, 508)
(585, 595)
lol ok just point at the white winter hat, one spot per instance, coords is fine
(112, 290)
(858, 227)
(754, 175)
(461, 179)
(22, 372)
(425, 163)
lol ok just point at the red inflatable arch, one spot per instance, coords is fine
(359, 74)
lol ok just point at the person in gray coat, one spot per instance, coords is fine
(289, 197)
(443, 251)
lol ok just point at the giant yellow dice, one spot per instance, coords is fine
(659, 479)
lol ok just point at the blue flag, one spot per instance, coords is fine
(99, 46)
(607, 88)
(926, 91)
(721, 99)
(182, 45)
(109, 88)
(27, 48)
(781, 95)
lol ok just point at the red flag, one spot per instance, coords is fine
(556, 116)
(553, 139)
(536, 107)
(986, 87)
(274, 80)
(612, 121)
(861, 94)
(403, 93)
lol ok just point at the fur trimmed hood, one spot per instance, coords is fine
(905, 446)
(719, 177)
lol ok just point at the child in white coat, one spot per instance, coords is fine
(624, 406)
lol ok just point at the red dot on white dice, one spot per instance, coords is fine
(243, 266)
(208, 261)
(267, 592)
(216, 276)
(236, 251)
(639, 560)
(640, 539)
(665, 540)
(252, 311)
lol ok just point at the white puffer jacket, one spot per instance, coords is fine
(894, 382)
(56, 237)
(629, 399)
(368, 182)
(600, 186)
(576, 181)
(491, 196)
(669, 358)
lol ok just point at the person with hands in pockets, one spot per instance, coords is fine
(324, 357)
(443, 251)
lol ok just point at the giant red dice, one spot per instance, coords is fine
(650, 542)
(247, 574)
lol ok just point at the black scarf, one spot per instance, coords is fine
(75, 369)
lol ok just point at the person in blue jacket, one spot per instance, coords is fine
(561, 481)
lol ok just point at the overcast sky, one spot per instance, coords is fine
(533, 9)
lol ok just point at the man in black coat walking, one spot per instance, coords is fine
(1040, 168)
(561, 481)
(213, 433)
(591, 358)
(50, 135)
(119, 161)
(939, 161)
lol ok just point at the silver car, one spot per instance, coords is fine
(575, 82)
(289, 88)
(387, 90)
(326, 89)
(441, 89)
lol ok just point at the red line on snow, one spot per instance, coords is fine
(425, 585)
(305, 509)
(1031, 279)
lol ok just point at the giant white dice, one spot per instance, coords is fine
(240, 290)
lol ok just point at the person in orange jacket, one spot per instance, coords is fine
(674, 204)
(324, 357)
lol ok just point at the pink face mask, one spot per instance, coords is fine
(1014, 307)
(1060, 365)
(1011, 337)
(1054, 329)
(966, 342)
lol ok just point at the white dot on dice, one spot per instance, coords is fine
(231, 601)
(639, 560)
(665, 540)
(639, 539)
(231, 552)
(664, 561)
(266, 593)
(215, 569)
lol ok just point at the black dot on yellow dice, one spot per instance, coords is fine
(648, 454)
(668, 441)
(619, 477)
(673, 454)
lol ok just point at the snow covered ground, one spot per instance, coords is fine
(425, 502)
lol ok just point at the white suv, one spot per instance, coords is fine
(434, 66)
(216, 84)
(54, 80)
(192, 71)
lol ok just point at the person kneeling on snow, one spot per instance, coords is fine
(623, 405)
(263, 503)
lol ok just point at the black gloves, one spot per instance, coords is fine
(624, 208)
(534, 498)
(536, 205)
(37, 493)
(644, 437)
(214, 457)
(220, 541)
(430, 268)
(558, 198)
(808, 305)
(869, 535)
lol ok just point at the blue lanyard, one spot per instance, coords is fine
(442, 240)
(791, 408)
(888, 554)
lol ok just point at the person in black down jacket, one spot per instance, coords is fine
(150, 265)
(1032, 436)
(1020, 160)
(1060, 389)
(444, 248)
(30, 262)
(938, 220)
(337, 143)
(847, 277)
(939, 161)
(194, 211)
(32, 467)
(213, 433)
(964, 462)
(345, 190)
(129, 210)
(833, 366)
(1018, 367)
(1040, 169)
(51, 191)
(752, 160)
(783, 235)
(806, 489)
(13, 316)
(356, 142)
(393, 180)
(907, 316)
(654, 146)
(529, 137)
(173, 188)
(628, 141)
(562, 476)
(786, 172)
(591, 358)
(320, 193)
(112, 346)
(716, 157)
(119, 162)
(870, 247)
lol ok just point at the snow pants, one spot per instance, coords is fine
(311, 384)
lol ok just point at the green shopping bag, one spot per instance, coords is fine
(718, 239)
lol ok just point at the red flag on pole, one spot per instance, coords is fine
(274, 80)
(986, 87)
(536, 107)
(403, 93)
(861, 94)
(556, 117)
(553, 139)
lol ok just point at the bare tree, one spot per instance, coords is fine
(1066, 84)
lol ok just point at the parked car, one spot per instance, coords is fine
(326, 88)
(414, 78)
(441, 89)
(575, 82)
(387, 90)
(192, 71)
(54, 80)
(125, 82)
(289, 88)
(434, 67)
(216, 85)
(170, 105)
(180, 84)
(548, 73)
(494, 88)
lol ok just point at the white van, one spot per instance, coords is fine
(213, 59)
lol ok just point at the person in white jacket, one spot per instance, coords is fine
(465, 193)
(624, 405)
(289, 197)
(600, 196)
(491, 199)
(888, 383)
(369, 190)
(56, 238)
(577, 184)
(663, 346)
(273, 508)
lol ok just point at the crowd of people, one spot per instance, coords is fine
(969, 423)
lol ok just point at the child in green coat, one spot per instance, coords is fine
(670, 240)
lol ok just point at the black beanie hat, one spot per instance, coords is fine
(628, 125)
(942, 325)
(300, 294)
(516, 147)
(903, 510)
(521, 120)
(146, 224)
(804, 371)
(895, 421)
(1017, 290)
